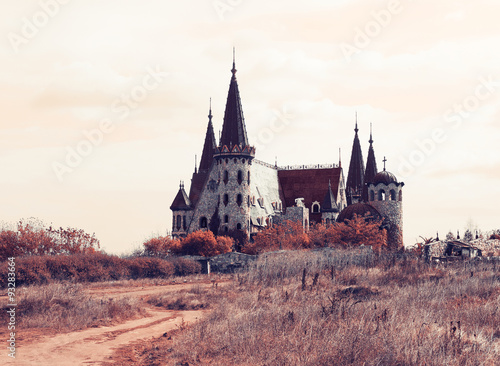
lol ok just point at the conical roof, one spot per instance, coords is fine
(355, 177)
(209, 147)
(371, 168)
(329, 203)
(233, 129)
(181, 200)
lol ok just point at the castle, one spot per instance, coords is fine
(231, 191)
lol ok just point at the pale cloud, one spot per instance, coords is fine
(65, 80)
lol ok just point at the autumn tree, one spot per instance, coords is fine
(359, 231)
(204, 243)
(162, 247)
(31, 237)
(289, 235)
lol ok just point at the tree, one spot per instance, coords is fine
(31, 237)
(162, 247)
(359, 231)
(450, 236)
(204, 243)
(289, 235)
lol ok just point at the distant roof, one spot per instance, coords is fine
(310, 184)
(181, 201)
(384, 177)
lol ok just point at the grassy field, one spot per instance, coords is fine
(344, 308)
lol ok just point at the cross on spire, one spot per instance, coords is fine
(210, 111)
(385, 160)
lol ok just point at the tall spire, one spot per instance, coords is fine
(355, 177)
(209, 146)
(233, 128)
(371, 167)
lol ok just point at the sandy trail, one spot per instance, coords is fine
(95, 345)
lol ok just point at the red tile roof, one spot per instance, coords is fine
(310, 184)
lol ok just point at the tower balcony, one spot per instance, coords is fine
(234, 151)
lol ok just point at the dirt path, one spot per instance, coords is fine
(96, 345)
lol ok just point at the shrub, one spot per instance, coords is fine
(205, 244)
(184, 266)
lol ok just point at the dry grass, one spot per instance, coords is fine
(66, 307)
(349, 308)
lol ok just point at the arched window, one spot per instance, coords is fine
(248, 201)
(248, 178)
(238, 226)
(226, 176)
(226, 219)
(372, 196)
(226, 199)
(315, 207)
(392, 195)
(203, 222)
(381, 195)
(179, 223)
(240, 176)
(239, 199)
(184, 222)
(226, 229)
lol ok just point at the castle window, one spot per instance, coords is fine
(392, 195)
(235, 161)
(226, 176)
(226, 219)
(248, 201)
(248, 177)
(226, 199)
(243, 161)
(226, 229)
(372, 196)
(179, 222)
(239, 199)
(203, 222)
(238, 226)
(227, 160)
(184, 222)
(240, 176)
(315, 207)
(381, 195)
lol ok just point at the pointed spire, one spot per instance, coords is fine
(356, 128)
(355, 177)
(329, 203)
(371, 167)
(209, 146)
(233, 128)
(340, 157)
(385, 161)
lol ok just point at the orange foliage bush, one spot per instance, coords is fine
(205, 244)
(32, 238)
(290, 235)
(162, 247)
(359, 231)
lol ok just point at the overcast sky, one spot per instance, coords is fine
(104, 103)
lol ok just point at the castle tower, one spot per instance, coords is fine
(233, 159)
(355, 177)
(181, 209)
(371, 167)
(329, 208)
(385, 194)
